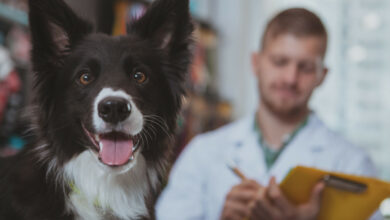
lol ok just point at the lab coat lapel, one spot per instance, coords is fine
(245, 151)
(305, 149)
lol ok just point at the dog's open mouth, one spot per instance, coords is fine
(114, 148)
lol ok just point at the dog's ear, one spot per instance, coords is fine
(167, 23)
(55, 30)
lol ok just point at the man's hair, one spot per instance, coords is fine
(299, 22)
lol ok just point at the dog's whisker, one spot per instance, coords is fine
(140, 140)
(159, 120)
(159, 124)
(144, 138)
(153, 129)
(156, 119)
(147, 134)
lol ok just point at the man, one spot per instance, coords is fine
(265, 146)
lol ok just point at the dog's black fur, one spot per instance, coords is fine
(31, 183)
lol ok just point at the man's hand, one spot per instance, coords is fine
(238, 200)
(250, 200)
(271, 204)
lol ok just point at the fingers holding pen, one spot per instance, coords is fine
(271, 203)
(245, 192)
(262, 207)
(238, 200)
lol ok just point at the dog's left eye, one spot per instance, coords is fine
(140, 77)
(86, 78)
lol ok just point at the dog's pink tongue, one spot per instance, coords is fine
(115, 152)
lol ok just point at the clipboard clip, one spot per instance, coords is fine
(344, 184)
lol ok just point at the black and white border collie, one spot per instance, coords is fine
(103, 115)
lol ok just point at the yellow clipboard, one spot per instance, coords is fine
(337, 203)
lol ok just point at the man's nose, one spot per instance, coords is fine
(291, 74)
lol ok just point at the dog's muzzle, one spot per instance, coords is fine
(116, 124)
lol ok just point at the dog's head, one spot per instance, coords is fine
(114, 96)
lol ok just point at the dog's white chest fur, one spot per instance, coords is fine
(103, 194)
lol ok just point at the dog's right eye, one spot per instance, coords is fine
(86, 78)
(140, 77)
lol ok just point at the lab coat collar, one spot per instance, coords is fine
(305, 149)
(246, 127)
(249, 157)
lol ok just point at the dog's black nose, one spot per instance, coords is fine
(114, 110)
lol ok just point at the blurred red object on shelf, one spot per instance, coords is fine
(11, 84)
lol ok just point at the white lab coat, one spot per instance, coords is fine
(200, 179)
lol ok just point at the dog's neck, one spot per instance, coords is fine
(101, 194)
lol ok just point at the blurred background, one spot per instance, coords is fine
(354, 100)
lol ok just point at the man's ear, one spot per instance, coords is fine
(55, 30)
(166, 23)
(323, 75)
(255, 59)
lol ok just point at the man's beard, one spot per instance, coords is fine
(283, 111)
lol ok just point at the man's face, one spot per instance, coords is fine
(288, 69)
